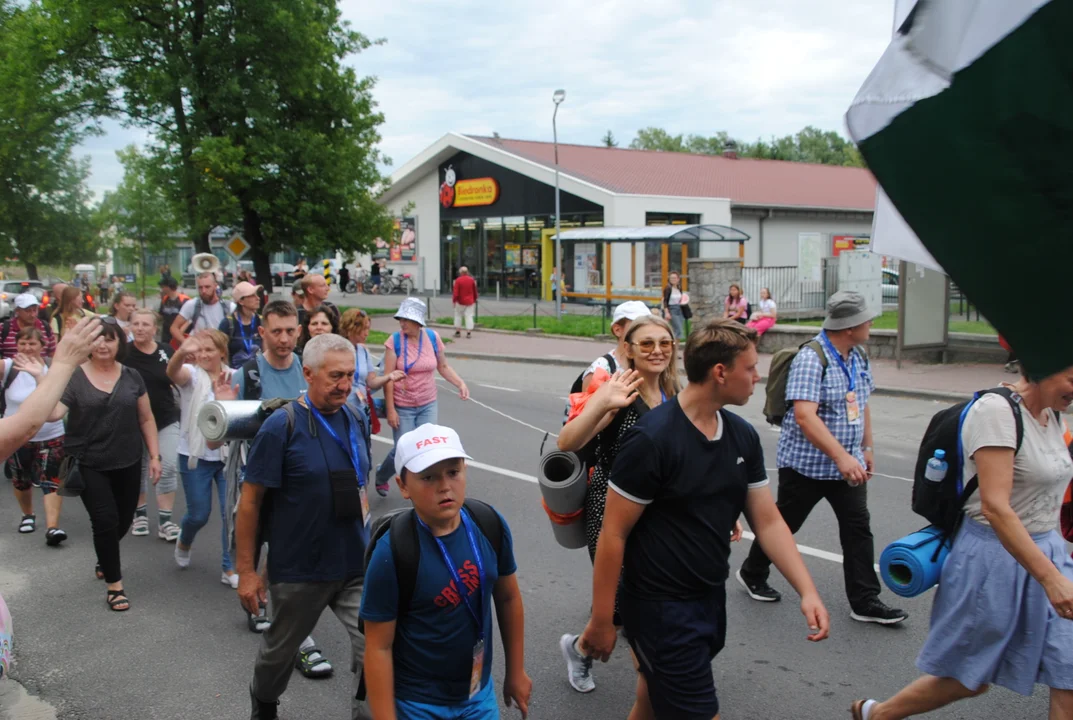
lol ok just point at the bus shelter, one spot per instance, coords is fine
(587, 258)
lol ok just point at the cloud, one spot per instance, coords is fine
(754, 68)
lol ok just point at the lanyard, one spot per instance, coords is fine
(851, 374)
(462, 589)
(242, 331)
(407, 366)
(352, 451)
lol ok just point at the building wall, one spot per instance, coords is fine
(780, 233)
(425, 195)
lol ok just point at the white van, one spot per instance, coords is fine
(89, 271)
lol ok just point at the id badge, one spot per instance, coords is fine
(478, 669)
(853, 413)
(364, 504)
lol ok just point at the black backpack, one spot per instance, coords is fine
(587, 454)
(11, 374)
(941, 503)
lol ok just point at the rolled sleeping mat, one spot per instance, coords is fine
(221, 420)
(906, 565)
(563, 484)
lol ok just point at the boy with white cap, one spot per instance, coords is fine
(428, 646)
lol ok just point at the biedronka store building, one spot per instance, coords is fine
(489, 204)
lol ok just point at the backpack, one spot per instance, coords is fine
(5, 330)
(587, 454)
(8, 380)
(397, 341)
(775, 403)
(941, 503)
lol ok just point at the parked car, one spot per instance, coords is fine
(890, 286)
(282, 274)
(10, 288)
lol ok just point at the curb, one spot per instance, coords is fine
(935, 395)
(549, 336)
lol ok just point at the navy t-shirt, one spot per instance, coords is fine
(433, 652)
(694, 488)
(307, 543)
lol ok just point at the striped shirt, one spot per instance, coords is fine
(10, 342)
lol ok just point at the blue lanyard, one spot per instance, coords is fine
(406, 367)
(662, 396)
(463, 591)
(352, 451)
(242, 331)
(851, 374)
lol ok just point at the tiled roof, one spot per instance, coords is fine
(744, 181)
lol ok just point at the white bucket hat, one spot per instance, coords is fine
(412, 309)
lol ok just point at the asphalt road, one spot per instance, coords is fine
(183, 650)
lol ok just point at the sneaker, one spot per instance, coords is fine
(182, 557)
(140, 526)
(231, 580)
(469, 336)
(759, 591)
(169, 532)
(876, 611)
(578, 667)
(382, 489)
(458, 333)
(261, 710)
(54, 536)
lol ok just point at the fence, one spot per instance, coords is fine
(788, 289)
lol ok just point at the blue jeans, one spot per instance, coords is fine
(197, 485)
(410, 418)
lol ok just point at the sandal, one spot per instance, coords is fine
(312, 658)
(117, 601)
(99, 572)
(258, 623)
(28, 524)
(54, 536)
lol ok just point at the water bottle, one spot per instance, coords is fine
(937, 467)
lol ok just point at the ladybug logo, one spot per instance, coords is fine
(447, 189)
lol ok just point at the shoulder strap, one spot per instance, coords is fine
(1019, 431)
(818, 349)
(397, 342)
(47, 326)
(196, 314)
(406, 552)
(288, 410)
(251, 379)
(611, 364)
(9, 378)
(488, 521)
(6, 331)
(432, 339)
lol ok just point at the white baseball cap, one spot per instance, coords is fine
(26, 300)
(630, 310)
(429, 444)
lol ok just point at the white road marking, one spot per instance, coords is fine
(746, 535)
(497, 387)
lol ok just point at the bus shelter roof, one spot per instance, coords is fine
(657, 233)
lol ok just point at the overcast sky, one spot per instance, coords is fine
(754, 68)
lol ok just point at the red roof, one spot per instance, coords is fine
(744, 181)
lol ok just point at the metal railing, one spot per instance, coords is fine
(788, 289)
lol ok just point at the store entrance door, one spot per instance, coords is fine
(469, 249)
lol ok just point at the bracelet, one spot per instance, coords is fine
(866, 448)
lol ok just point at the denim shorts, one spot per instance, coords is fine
(482, 706)
(675, 642)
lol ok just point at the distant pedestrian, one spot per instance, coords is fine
(673, 300)
(825, 453)
(682, 476)
(107, 406)
(464, 296)
(117, 284)
(1003, 610)
(316, 469)
(102, 289)
(37, 463)
(431, 658)
(344, 278)
(736, 306)
(766, 316)
(26, 316)
(411, 402)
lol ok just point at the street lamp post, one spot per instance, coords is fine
(557, 98)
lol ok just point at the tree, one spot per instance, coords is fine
(139, 211)
(653, 138)
(252, 115)
(609, 140)
(809, 145)
(44, 113)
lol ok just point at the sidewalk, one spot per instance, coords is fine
(946, 383)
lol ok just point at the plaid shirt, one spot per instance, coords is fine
(808, 381)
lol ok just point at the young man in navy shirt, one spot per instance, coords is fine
(433, 659)
(682, 476)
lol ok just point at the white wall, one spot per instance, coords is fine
(425, 195)
(780, 236)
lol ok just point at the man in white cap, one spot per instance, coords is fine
(825, 453)
(26, 310)
(427, 607)
(241, 326)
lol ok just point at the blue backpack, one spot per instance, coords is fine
(431, 338)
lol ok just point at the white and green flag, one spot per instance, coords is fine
(967, 124)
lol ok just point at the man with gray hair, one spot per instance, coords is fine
(307, 472)
(825, 453)
(464, 296)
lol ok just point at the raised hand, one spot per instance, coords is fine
(190, 346)
(621, 390)
(222, 389)
(28, 364)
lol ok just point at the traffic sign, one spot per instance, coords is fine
(237, 246)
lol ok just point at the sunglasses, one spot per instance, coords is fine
(649, 346)
(109, 320)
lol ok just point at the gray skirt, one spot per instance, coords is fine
(991, 622)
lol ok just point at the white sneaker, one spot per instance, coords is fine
(169, 532)
(578, 667)
(182, 557)
(231, 580)
(140, 526)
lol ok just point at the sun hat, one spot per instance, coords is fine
(244, 289)
(412, 309)
(846, 309)
(429, 444)
(630, 310)
(24, 301)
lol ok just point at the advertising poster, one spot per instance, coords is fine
(849, 242)
(584, 258)
(530, 257)
(514, 255)
(403, 245)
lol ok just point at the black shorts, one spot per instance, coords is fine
(675, 643)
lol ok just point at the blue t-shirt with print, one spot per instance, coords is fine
(434, 642)
(308, 544)
(289, 383)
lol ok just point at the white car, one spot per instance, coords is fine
(10, 288)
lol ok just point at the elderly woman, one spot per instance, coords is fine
(107, 407)
(1003, 612)
(411, 401)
